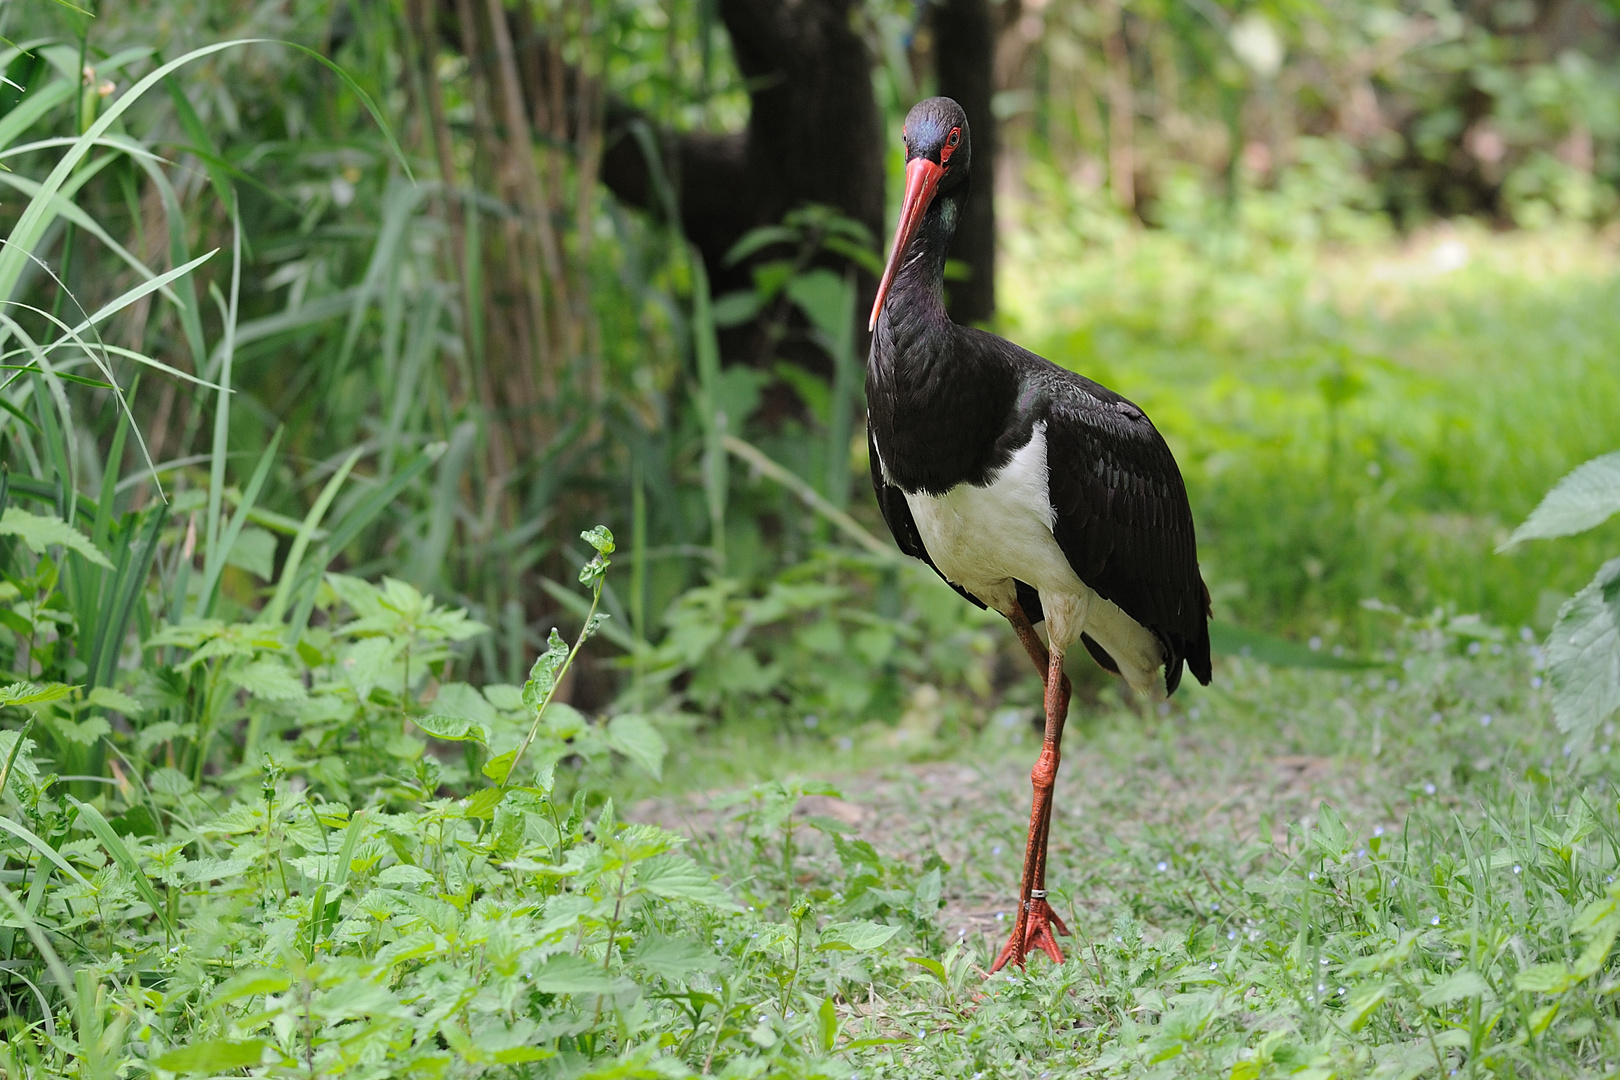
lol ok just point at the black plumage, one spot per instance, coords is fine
(949, 405)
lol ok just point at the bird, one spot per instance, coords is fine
(1030, 489)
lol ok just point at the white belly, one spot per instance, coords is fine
(982, 538)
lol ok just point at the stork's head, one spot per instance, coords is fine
(937, 159)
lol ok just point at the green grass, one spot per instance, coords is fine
(1360, 423)
(1383, 873)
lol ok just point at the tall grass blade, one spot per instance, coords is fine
(127, 586)
(53, 962)
(215, 569)
(33, 108)
(36, 216)
(706, 351)
(295, 555)
(348, 527)
(126, 861)
(214, 560)
(33, 840)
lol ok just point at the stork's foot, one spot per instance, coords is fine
(1033, 931)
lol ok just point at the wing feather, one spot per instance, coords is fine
(1123, 520)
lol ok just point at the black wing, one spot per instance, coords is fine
(897, 513)
(1123, 520)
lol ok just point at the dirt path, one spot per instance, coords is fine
(1125, 807)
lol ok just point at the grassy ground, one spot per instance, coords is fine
(1383, 874)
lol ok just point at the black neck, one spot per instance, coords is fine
(917, 298)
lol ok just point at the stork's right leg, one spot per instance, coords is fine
(1030, 640)
(1037, 923)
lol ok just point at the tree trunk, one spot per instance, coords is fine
(964, 60)
(814, 135)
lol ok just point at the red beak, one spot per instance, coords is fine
(922, 177)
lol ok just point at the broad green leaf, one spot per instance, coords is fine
(761, 237)
(255, 552)
(453, 728)
(404, 874)
(676, 877)
(600, 539)
(568, 974)
(460, 699)
(933, 967)
(83, 732)
(270, 680)
(1593, 914)
(1597, 950)
(1455, 987)
(1583, 657)
(247, 984)
(859, 936)
(1545, 979)
(563, 721)
(826, 298)
(736, 308)
(673, 957)
(26, 693)
(215, 1055)
(516, 1055)
(116, 700)
(636, 738)
(1582, 500)
(504, 697)
(498, 769)
(200, 870)
(482, 803)
(827, 1025)
(40, 531)
(543, 675)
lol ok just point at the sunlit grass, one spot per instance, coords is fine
(1366, 422)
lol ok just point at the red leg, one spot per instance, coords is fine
(1029, 639)
(1036, 922)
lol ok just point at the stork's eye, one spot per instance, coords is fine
(956, 137)
(951, 142)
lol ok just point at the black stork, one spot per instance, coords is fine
(1028, 488)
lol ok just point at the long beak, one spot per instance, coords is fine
(922, 177)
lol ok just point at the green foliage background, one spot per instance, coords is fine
(284, 525)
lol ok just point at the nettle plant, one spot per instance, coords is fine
(1583, 650)
(358, 900)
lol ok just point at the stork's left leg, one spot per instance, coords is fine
(1036, 922)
